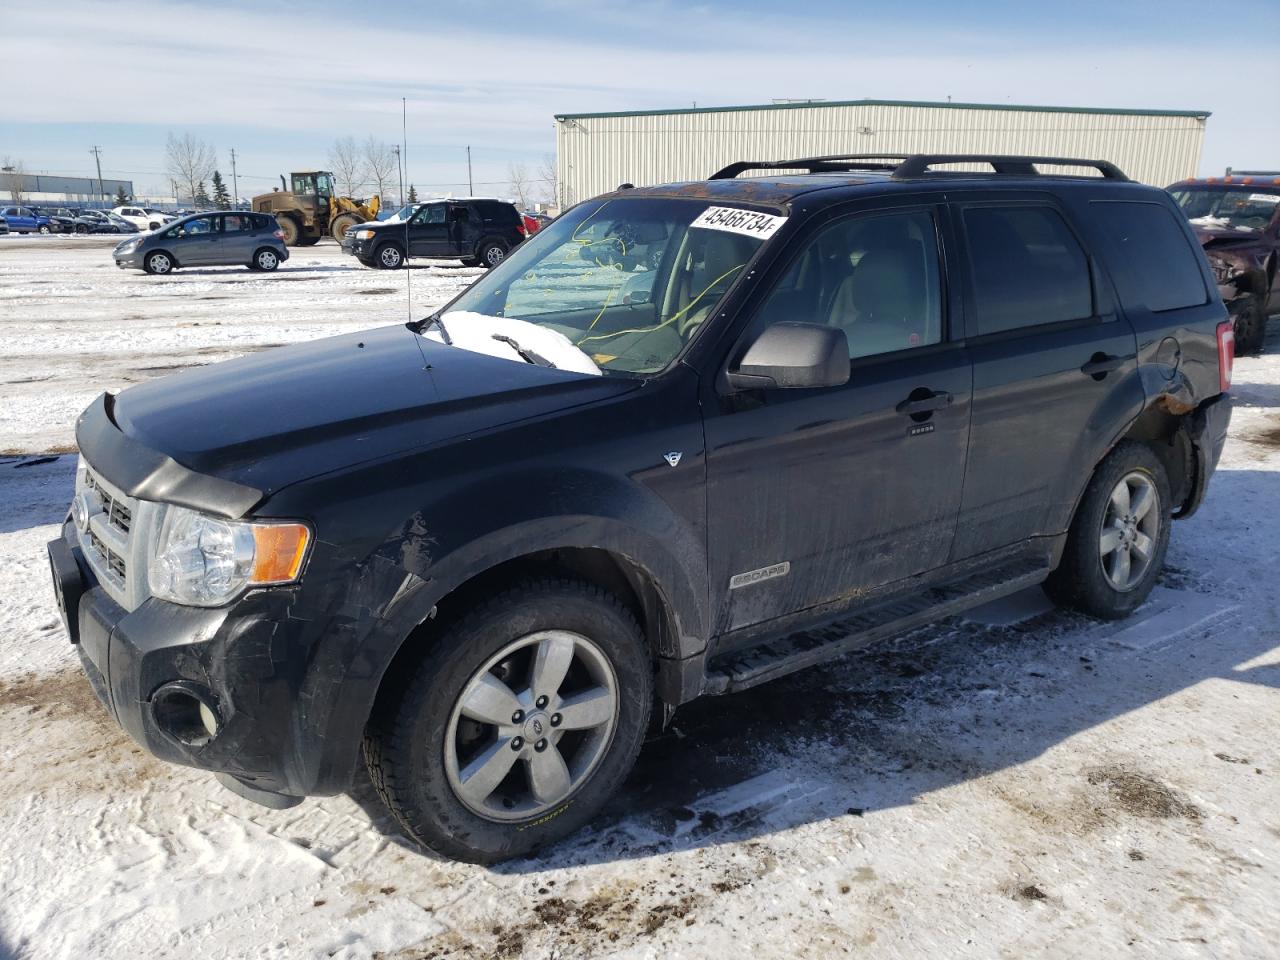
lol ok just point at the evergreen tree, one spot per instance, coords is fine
(121, 197)
(413, 194)
(221, 199)
(201, 199)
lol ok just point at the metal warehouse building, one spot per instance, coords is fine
(597, 151)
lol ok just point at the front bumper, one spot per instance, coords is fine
(129, 261)
(239, 659)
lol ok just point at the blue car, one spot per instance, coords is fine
(26, 220)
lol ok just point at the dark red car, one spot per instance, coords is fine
(1237, 218)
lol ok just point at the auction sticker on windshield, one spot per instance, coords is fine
(747, 222)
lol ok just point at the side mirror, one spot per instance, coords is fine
(793, 355)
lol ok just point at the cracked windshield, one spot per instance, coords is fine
(616, 286)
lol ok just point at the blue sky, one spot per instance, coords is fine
(278, 82)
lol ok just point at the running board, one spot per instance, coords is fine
(741, 669)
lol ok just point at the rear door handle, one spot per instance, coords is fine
(935, 401)
(1102, 364)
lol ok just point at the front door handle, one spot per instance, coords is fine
(924, 404)
(1100, 364)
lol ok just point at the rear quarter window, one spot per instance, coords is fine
(1157, 266)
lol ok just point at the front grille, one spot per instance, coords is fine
(115, 563)
(117, 512)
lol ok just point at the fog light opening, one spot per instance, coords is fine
(187, 713)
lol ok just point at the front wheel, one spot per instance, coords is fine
(81, 229)
(158, 263)
(389, 257)
(44, 228)
(1118, 537)
(517, 725)
(1249, 318)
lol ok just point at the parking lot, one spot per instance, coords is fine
(1019, 782)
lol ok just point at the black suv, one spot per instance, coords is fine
(687, 439)
(476, 231)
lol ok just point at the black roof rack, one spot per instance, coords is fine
(906, 166)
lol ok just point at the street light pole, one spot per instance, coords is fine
(400, 167)
(97, 158)
(235, 183)
(471, 187)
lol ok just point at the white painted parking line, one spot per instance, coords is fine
(1167, 616)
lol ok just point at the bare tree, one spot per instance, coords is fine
(380, 161)
(189, 161)
(348, 166)
(518, 176)
(15, 175)
(547, 174)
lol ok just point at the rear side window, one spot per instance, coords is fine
(1027, 267)
(494, 212)
(1158, 267)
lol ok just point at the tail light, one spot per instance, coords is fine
(278, 234)
(1226, 354)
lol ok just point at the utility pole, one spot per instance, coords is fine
(235, 183)
(97, 158)
(471, 187)
(399, 166)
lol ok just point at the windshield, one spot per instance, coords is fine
(627, 281)
(1227, 209)
(399, 216)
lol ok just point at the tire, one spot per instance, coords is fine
(418, 746)
(266, 259)
(390, 256)
(1103, 584)
(491, 254)
(307, 241)
(159, 262)
(81, 229)
(1249, 317)
(340, 224)
(289, 227)
(153, 226)
(44, 228)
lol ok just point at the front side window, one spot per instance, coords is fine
(431, 214)
(877, 278)
(1247, 210)
(304, 184)
(1026, 268)
(198, 227)
(626, 281)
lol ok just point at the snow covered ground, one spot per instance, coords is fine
(1021, 782)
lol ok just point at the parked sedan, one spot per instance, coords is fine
(253, 240)
(120, 223)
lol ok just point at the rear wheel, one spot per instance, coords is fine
(266, 259)
(389, 256)
(158, 262)
(492, 254)
(1118, 537)
(44, 228)
(81, 228)
(517, 725)
(1249, 317)
(289, 227)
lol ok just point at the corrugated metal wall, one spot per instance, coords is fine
(596, 153)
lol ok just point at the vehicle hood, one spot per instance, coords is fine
(1224, 236)
(290, 413)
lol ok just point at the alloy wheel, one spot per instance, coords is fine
(390, 257)
(531, 726)
(494, 256)
(1130, 531)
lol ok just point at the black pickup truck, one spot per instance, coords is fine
(685, 440)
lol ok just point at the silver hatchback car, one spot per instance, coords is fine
(253, 240)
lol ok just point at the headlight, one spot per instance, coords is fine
(128, 245)
(364, 234)
(203, 561)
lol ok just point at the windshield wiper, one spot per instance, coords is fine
(435, 320)
(526, 355)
